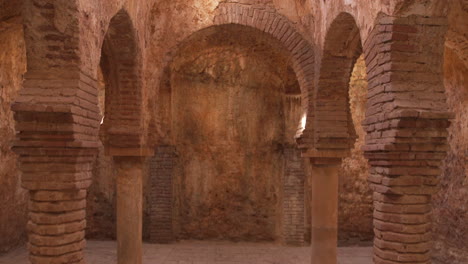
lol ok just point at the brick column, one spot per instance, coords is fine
(129, 209)
(57, 226)
(56, 143)
(57, 121)
(324, 212)
(406, 123)
(56, 169)
(404, 176)
(161, 173)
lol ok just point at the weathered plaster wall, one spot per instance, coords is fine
(451, 203)
(13, 205)
(228, 128)
(101, 200)
(171, 22)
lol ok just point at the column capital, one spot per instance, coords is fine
(325, 157)
(130, 152)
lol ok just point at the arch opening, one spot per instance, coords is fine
(120, 163)
(236, 103)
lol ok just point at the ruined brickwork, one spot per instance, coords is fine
(161, 198)
(405, 159)
(293, 202)
(164, 65)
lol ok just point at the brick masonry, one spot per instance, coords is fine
(161, 195)
(267, 20)
(123, 120)
(56, 148)
(57, 120)
(334, 133)
(293, 202)
(406, 124)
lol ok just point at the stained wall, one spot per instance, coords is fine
(13, 198)
(229, 132)
(451, 202)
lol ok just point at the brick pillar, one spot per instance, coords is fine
(57, 121)
(293, 197)
(161, 173)
(129, 209)
(56, 165)
(324, 212)
(404, 176)
(406, 123)
(57, 226)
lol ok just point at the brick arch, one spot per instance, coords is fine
(285, 39)
(266, 20)
(406, 122)
(120, 64)
(334, 133)
(301, 52)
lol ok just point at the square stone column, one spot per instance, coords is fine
(324, 213)
(129, 209)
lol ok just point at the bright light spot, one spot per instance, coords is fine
(302, 126)
(102, 120)
(303, 121)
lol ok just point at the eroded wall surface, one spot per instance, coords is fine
(228, 128)
(13, 198)
(451, 202)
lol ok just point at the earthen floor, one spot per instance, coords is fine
(190, 252)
